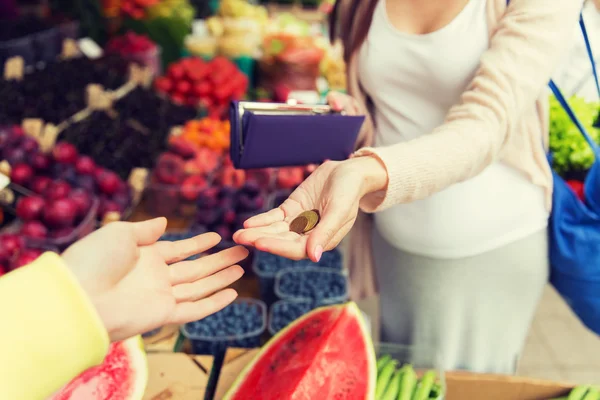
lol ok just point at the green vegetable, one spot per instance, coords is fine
(578, 393)
(384, 378)
(425, 385)
(409, 382)
(570, 151)
(382, 362)
(592, 394)
(436, 391)
(391, 393)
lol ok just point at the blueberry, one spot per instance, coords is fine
(286, 311)
(319, 285)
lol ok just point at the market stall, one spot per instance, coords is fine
(126, 117)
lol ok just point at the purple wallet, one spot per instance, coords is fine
(266, 135)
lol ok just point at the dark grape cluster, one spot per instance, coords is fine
(57, 91)
(285, 311)
(174, 236)
(237, 325)
(320, 285)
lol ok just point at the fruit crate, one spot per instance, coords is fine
(240, 324)
(422, 358)
(319, 285)
(266, 266)
(283, 312)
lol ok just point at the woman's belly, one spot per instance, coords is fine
(494, 208)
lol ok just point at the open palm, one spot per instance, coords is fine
(333, 191)
(138, 284)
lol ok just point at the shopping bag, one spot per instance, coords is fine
(574, 228)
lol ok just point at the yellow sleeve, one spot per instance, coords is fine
(49, 330)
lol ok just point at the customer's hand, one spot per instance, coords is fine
(138, 283)
(335, 189)
(342, 102)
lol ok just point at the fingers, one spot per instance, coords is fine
(180, 250)
(190, 271)
(193, 311)
(204, 287)
(263, 219)
(334, 218)
(292, 249)
(148, 232)
(249, 236)
(343, 102)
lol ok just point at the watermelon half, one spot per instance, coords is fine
(326, 354)
(122, 376)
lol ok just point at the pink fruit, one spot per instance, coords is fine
(10, 246)
(26, 257)
(169, 169)
(182, 147)
(3, 269)
(40, 161)
(21, 174)
(85, 165)
(83, 201)
(29, 144)
(30, 208)
(61, 233)
(57, 190)
(65, 153)
(60, 213)
(34, 229)
(108, 182)
(39, 184)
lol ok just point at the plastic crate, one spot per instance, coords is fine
(303, 284)
(182, 235)
(46, 45)
(216, 343)
(266, 266)
(22, 47)
(283, 312)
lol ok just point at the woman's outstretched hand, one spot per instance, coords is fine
(138, 283)
(335, 190)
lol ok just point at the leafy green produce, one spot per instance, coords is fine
(384, 378)
(425, 386)
(584, 392)
(382, 362)
(408, 382)
(391, 392)
(570, 151)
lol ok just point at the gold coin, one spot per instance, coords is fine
(305, 222)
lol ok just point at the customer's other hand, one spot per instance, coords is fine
(335, 190)
(343, 102)
(138, 283)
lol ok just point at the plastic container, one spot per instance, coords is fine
(421, 358)
(22, 46)
(85, 227)
(216, 343)
(283, 312)
(246, 64)
(319, 285)
(266, 266)
(46, 45)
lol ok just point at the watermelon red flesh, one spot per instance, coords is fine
(122, 376)
(327, 354)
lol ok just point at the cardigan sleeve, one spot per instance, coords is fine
(525, 47)
(50, 332)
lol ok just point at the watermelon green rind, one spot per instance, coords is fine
(352, 310)
(140, 365)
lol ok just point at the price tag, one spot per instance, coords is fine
(69, 49)
(33, 127)
(49, 137)
(14, 68)
(90, 48)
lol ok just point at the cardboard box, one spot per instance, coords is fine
(461, 385)
(177, 376)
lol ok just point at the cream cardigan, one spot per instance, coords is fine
(503, 115)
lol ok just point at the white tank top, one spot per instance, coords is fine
(413, 81)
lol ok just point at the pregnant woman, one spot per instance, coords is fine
(451, 170)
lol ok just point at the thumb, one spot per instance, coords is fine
(332, 220)
(148, 232)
